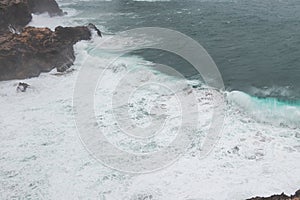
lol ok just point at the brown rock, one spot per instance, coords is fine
(38, 50)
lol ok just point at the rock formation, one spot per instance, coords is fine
(283, 196)
(22, 87)
(37, 50)
(41, 6)
(26, 52)
(17, 13)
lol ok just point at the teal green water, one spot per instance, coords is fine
(273, 102)
(256, 44)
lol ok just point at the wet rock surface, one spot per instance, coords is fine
(37, 50)
(27, 52)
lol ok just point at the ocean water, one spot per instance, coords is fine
(255, 45)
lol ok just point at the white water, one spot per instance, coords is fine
(42, 156)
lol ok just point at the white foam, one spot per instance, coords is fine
(268, 109)
(42, 156)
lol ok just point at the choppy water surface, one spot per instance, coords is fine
(256, 46)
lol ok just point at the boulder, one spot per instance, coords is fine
(37, 50)
(22, 87)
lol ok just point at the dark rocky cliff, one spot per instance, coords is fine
(26, 52)
(17, 13)
(37, 50)
(41, 6)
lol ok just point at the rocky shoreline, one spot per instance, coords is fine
(26, 52)
(37, 50)
(282, 196)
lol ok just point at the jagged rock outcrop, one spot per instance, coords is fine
(37, 50)
(41, 6)
(15, 13)
(28, 52)
(282, 196)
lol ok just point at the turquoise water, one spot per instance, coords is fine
(255, 44)
(270, 110)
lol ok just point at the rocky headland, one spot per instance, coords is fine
(37, 50)
(26, 52)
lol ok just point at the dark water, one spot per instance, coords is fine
(255, 44)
